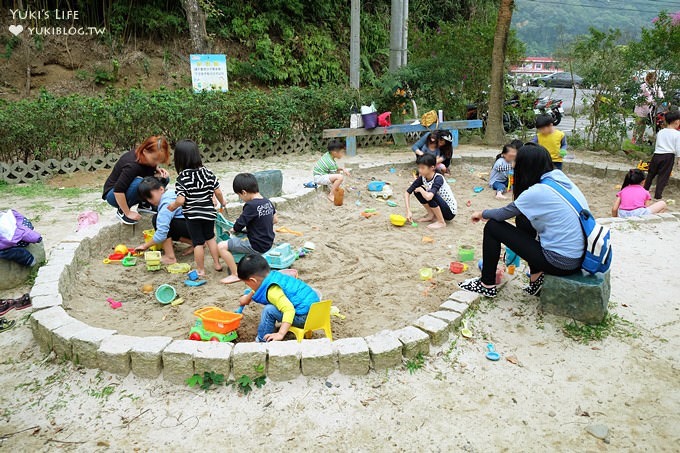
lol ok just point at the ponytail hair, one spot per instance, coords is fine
(633, 177)
(151, 145)
(515, 144)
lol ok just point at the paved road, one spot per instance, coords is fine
(566, 94)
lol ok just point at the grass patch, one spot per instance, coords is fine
(415, 363)
(613, 325)
(36, 190)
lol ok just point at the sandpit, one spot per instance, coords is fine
(369, 268)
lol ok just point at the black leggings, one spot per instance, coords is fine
(660, 168)
(521, 240)
(437, 201)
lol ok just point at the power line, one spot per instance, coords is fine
(611, 8)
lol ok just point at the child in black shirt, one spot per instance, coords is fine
(257, 219)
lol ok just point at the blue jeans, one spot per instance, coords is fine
(270, 316)
(19, 255)
(499, 186)
(131, 194)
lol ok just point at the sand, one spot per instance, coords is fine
(459, 401)
(368, 267)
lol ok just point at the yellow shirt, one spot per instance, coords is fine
(553, 143)
(277, 298)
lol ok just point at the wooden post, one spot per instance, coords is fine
(351, 145)
(354, 46)
(395, 34)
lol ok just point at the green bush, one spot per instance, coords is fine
(76, 125)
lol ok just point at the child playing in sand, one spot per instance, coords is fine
(196, 186)
(498, 179)
(433, 192)
(326, 171)
(257, 219)
(551, 139)
(666, 152)
(285, 298)
(634, 200)
(430, 144)
(169, 226)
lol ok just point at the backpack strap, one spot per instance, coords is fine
(564, 193)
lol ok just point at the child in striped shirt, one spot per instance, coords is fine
(326, 171)
(195, 187)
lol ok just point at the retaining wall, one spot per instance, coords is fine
(55, 330)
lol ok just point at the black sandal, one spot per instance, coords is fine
(474, 285)
(6, 325)
(534, 288)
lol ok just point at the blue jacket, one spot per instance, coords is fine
(558, 227)
(300, 294)
(165, 217)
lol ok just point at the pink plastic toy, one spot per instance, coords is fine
(114, 303)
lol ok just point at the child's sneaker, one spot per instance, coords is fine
(474, 285)
(22, 302)
(534, 288)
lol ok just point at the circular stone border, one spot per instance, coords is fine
(93, 347)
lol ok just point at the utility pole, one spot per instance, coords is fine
(396, 28)
(354, 45)
(404, 33)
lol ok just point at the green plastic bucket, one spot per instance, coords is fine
(165, 294)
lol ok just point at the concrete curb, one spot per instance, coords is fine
(148, 357)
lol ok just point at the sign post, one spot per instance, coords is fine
(209, 72)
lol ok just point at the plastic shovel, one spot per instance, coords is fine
(465, 332)
(492, 354)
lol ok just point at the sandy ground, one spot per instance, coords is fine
(457, 401)
(380, 261)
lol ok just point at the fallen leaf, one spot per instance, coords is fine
(512, 359)
(428, 240)
(102, 443)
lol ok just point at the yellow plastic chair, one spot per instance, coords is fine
(319, 317)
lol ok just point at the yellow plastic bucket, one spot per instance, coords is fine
(148, 236)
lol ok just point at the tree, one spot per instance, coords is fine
(197, 30)
(495, 135)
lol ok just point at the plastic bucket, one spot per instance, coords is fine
(466, 253)
(148, 236)
(370, 120)
(165, 294)
(426, 273)
(457, 268)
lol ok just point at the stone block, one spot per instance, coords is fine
(247, 356)
(178, 360)
(414, 341)
(269, 182)
(213, 356)
(385, 350)
(610, 220)
(465, 297)
(318, 357)
(651, 218)
(599, 170)
(41, 302)
(61, 338)
(44, 289)
(353, 356)
(667, 216)
(583, 298)
(14, 274)
(85, 344)
(284, 360)
(452, 305)
(452, 318)
(146, 356)
(49, 273)
(44, 322)
(113, 354)
(437, 329)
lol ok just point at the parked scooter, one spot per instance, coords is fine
(549, 105)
